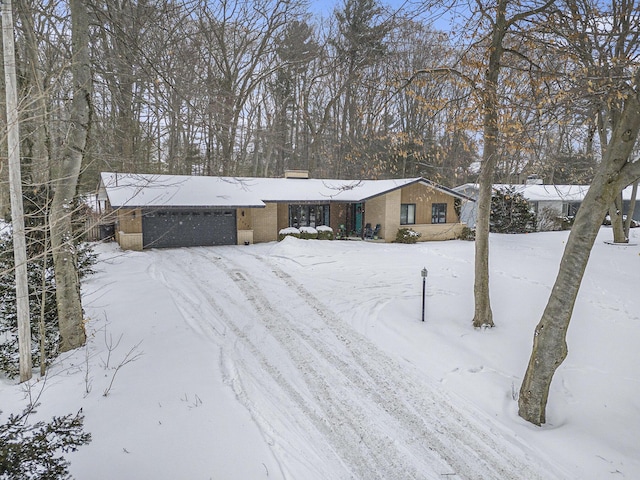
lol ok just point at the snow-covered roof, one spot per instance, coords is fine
(541, 193)
(146, 190)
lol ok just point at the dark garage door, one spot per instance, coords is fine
(188, 228)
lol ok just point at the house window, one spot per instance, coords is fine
(408, 214)
(570, 209)
(308, 215)
(439, 213)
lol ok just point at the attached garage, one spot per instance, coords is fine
(188, 228)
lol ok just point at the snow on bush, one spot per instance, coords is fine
(325, 232)
(308, 233)
(550, 219)
(406, 235)
(288, 232)
(322, 232)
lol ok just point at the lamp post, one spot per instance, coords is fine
(424, 274)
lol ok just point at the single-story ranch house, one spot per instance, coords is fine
(152, 211)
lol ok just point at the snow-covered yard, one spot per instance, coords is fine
(308, 360)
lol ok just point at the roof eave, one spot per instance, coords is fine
(190, 207)
(424, 181)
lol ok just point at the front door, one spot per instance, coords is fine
(358, 217)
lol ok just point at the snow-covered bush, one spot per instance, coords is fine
(288, 232)
(325, 232)
(406, 235)
(308, 233)
(607, 221)
(550, 220)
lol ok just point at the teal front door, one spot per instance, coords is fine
(359, 214)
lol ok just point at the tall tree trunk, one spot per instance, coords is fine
(500, 26)
(72, 334)
(38, 115)
(15, 186)
(549, 341)
(617, 222)
(632, 208)
(483, 315)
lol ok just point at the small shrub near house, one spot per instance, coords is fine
(468, 234)
(325, 232)
(308, 233)
(406, 235)
(551, 219)
(288, 232)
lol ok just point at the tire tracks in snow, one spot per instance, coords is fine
(354, 431)
(242, 354)
(353, 395)
(464, 443)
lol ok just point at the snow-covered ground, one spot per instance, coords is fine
(307, 360)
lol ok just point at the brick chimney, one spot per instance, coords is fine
(296, 174)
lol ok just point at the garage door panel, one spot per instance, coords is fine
(189, 228)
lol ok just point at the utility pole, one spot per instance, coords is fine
(15, 188)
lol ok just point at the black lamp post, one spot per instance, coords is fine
(424, 274)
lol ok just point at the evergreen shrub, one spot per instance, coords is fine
(511, 213)
(406, 235)
(41, 283)
(33, 451)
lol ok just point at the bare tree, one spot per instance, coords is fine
(238, 39)
(432, 129)
(620, 25)
(36, 108)
(500, 24)
(549, 341)
(70, 318)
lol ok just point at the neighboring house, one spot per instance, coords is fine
(152, 211)
(563, 199)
